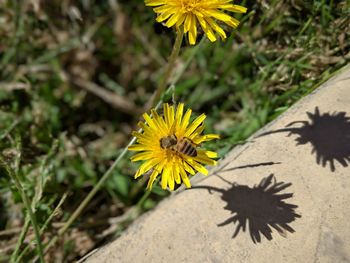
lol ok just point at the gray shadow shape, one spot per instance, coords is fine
(328, 133)
(260, 208)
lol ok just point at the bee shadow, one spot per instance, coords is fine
(328, 133)
(260, 208)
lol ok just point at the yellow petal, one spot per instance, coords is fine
(180, 20)
(168, 115)
(200, 168)
(185, 121)
(176, 172)
(146, 166)
(216, 27)
(137, 148)
(199, 120)
(187, 24)
(206, 28)
(197, 133)
(165, 175)
(142, 156)
(205, 160)
(149, 121)
(151, 179)
(163, 16)
(192, 34)
(209, 154)
(204, 138)
(188, 168)
(179, 112)
(184, 178)
(159, 122)
(173, 20)
(155, 2)
(237, 9)
(171, 182)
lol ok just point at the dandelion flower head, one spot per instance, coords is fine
(173, 166)
(189, 12)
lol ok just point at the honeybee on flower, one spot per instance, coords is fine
(169, 146)
(191, 12)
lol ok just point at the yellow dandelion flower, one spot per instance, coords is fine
(158, 147)
(189, 12)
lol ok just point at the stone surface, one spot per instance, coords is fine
(301, 213)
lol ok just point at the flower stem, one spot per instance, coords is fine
(170, 66)
(26, 202)
(92, 193)
(48, 220)
(21, 238)
(88, 198)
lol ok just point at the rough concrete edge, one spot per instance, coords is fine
(236, 152)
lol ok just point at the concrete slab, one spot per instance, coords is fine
(281, 197)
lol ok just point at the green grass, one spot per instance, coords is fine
(60, 135)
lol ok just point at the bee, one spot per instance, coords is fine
(184, 145)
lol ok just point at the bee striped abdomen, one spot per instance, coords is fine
(185, 146)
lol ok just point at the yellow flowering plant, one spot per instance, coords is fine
(191, 12)
(174, 166)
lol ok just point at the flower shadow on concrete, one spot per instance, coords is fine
(328, 133)
(260, 208)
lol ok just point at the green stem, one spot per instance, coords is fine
(169, 69)
(26, 202)
(88, 198)
(92, 193)
(21, 239)
(42, 229)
